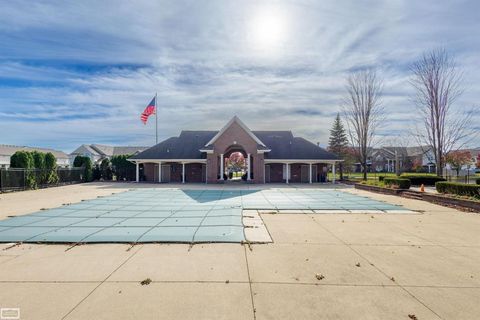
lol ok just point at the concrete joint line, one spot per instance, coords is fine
(104, 280)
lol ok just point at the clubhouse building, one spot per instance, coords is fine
(235, 153)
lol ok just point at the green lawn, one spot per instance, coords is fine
(372, 175)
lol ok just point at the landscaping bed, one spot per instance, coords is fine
(452, 201)
(379, 189)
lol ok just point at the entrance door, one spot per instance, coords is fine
(166, 172)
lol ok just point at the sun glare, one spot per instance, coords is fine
(268, 30)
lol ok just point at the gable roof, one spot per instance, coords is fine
(85, 148)
(9, 150)
(107, 151)
(237, 120)
(282, 145)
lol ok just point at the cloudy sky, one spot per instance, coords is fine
(82, 71)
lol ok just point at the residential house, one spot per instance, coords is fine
(98, 152)
(6, 151)
(385, 159)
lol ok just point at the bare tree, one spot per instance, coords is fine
(363, 112)
(437, 82)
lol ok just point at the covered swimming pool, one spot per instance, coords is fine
(174, 215)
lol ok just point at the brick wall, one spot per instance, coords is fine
(235, 135)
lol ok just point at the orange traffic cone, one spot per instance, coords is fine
(422, 188)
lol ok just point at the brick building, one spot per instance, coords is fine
(200, 156)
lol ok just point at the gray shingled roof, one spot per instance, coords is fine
(283, 145)
(107, 151)
(185, 146)
(8, 150)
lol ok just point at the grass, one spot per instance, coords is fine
(372, 175)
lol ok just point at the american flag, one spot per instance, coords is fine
(149, 110)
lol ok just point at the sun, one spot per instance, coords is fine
(268, 30)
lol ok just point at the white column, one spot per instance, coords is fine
(160, 172)
(264, 173)
(137, 172)
(333, 172)
(310, 173)
(221, 166)
(249, 176)
(183, 172)
(287, 169)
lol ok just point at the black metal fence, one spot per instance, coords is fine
(124, 174)
(21, 179)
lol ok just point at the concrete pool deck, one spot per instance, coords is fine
(371, 266)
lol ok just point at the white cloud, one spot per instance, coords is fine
(81, 72)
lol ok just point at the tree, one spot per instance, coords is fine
(417, 164)
(338, 141)
(363, 112)
(51, 167)
(22, 159)
(123, 169)
(86, 163)
(78, 161)
(437, 83)
(478, 161)
(236, 161)
(88, 169)
(39, 163)
(458, 159)
(106, 169)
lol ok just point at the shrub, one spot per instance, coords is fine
(106, 170)
(78, 161)
(86, 163)
(397, 183)
(122, 168)
(88, 169)
(97, 173)
(418, 179)
(477, 181)
(461, 189)
(381, 178)
(22, 159)
(51, 167)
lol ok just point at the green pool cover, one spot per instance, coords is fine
(170, 215)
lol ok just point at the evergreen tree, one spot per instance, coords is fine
(338, 141)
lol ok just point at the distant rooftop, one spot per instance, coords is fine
(9, 150)
(108, 151)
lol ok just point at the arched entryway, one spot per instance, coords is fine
(235, 164)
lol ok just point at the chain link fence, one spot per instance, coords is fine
(14, 179)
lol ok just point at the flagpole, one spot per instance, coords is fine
(156, 120)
